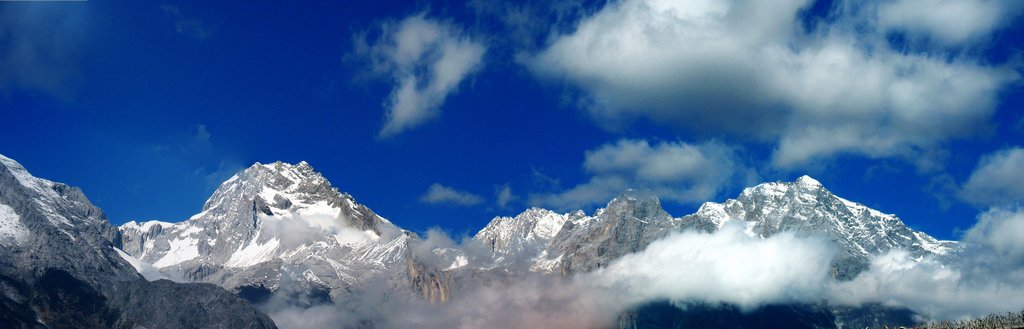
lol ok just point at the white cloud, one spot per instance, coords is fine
(676, 171)
(946, 22)
(1001, 230)
(438, 194)
(427, 60)
(997, 180)
(748, 68)
(935, 291)
(727, 266)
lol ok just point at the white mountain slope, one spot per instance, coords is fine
(275, 225)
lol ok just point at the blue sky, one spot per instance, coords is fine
(449, 113)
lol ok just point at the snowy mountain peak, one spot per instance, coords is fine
(804, 189)
(807, 207)
(808, 181)
(276, 184)
(276, 220)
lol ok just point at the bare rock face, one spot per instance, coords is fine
(59, 267)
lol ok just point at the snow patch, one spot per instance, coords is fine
(253, 254)
(460, 261)
(11, 228)
(145, 226)
(181, 250)
(147, 271)
(808, 181)
(930, 244)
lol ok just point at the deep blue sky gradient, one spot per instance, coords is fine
(148, 120)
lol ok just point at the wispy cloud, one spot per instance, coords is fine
(504, 196)
(427, 60)
(440, 194)
(187, 24)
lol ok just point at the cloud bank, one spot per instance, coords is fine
(676, 171)
(752, 69)
(427, 60)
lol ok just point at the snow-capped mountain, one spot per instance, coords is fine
(574, 242)
(60, 267)
(526, 235)
(808, 208)
(276, 226)
(283, 230)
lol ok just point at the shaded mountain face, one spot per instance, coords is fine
(59, 267)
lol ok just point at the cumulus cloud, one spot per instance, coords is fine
(997, 180)
(439, 194)
(676, 171)
(427, 60)
(1001, 231)
(727, 266)
(749, 69)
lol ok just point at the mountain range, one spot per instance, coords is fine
(281, 232)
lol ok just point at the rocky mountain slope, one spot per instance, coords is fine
(60, 268)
